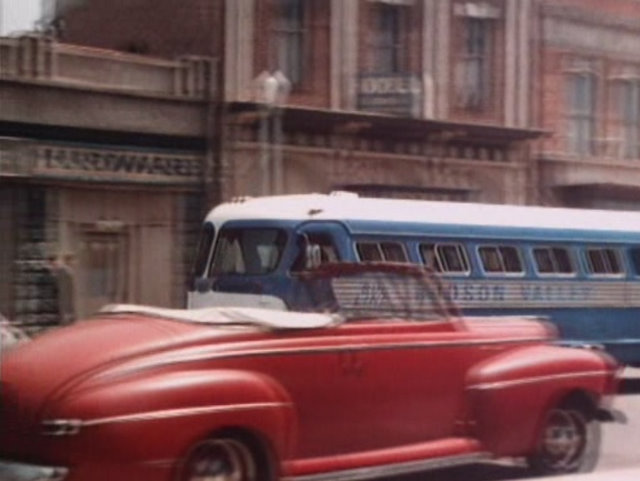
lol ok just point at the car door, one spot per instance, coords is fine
(405, 381)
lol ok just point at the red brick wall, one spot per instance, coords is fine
(165, 28)
(552, 99)
(552, 95)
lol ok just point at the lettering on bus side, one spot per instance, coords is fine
(515, 293)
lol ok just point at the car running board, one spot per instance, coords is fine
(382, 463)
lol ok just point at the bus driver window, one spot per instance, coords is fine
(324, 243)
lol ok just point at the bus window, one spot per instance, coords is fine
(603, 261)
(248, 251)
(428, 254)
(381, 251)
(500, 259)
(393, 252)
(446, 258)
(204, 247)
(635, 259)
(328, 251)
(368, 251)
(553, 260)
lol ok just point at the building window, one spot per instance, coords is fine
(629, 109)
(388, 38)
(581, 91)
(290, 33)
(475, 64)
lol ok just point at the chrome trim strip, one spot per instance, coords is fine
(534, 380)
(383, 472)
(384, 347)
(161, 463)
(297, 351)
(61, 427)
(171, 413)
(12, 471)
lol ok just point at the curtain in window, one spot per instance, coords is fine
(388, 51)
(630, 116)
(289, 35)
(473, 69)
(582, 98)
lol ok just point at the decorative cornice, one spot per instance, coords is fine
(591, 37)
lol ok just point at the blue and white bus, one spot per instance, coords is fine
(578, 268)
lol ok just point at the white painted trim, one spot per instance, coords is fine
(511, 59)
(238, 45)
(443, 56)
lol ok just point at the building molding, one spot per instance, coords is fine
(569, 33)
(443, 57)
(590, 17)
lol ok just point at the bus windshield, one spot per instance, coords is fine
(249, 251)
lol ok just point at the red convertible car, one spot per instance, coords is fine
(386, 379)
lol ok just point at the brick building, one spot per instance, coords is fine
(567, 67)
(504, 101)
(390, 97)
(588, 95)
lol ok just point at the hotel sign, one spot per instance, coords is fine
(390, 94)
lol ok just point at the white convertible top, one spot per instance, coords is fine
(268, 318)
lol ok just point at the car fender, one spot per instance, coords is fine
(157, 416)
(510, 393)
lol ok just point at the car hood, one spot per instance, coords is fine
(36, 371)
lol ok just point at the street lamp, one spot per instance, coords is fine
(272, 90)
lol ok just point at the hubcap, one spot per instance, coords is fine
(564, 440)
(219, 460)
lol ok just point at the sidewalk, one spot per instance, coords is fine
(613, 475)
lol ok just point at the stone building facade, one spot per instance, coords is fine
(566, 67)
(103, 156)
(450, 75)
(108, 145)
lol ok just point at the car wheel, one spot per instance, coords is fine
(569, 443)
(219, 460)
